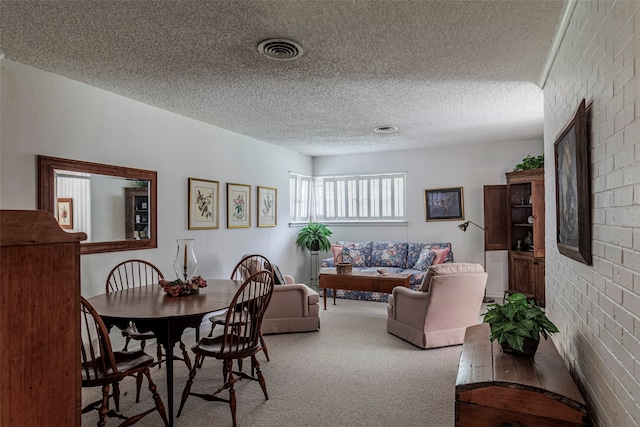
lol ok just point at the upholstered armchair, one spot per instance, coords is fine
(293, 308)
(437, 315)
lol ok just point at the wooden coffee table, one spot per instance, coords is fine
(361, 281)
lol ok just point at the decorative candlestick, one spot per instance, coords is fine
(185, 264)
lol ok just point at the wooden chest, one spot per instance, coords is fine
(497, 389)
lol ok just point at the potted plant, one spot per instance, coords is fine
(530, 163)
(314, 236)
(518, 324)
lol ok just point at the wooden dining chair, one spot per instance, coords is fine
(240, 339)
(248, 265)
(131, 274)
(102, 367)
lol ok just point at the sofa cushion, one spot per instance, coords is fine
(389, 254)
(441, 255)
(450, 268)
(360, 253)
(425, 259)
(278, 278)
(414, 249)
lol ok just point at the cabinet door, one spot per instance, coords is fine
(538, 280)
(537, 196)
(495, 218)
(521, 272)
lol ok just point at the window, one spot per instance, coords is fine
(348, 198)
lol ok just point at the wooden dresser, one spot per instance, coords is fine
(40, 381)
(497, 389)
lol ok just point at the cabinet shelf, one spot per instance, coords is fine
(135, 200)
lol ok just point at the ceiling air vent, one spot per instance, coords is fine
(385, 129)
(280, 49)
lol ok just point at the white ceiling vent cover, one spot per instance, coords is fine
(280, 49)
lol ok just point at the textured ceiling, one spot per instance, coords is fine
(443, 72)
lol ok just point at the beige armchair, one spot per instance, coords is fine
(437, 315)
(293, 308)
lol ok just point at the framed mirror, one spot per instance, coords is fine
(116, 206)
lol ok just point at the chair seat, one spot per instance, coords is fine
(213, 346)
(126, 363)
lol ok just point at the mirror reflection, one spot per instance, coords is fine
(115, 206)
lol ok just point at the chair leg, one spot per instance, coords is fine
(232, 391)
(156, 397)
(126, 343)
(159, 354)
(143, 344)
(116, 396)
(138, 385)
(263, 385)
(263, 343)
(104, 407)
(187, 387)
(185, 355)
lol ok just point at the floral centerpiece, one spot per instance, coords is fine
(179, 287)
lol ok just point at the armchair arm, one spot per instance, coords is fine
(409, 306)
(289, 280)
(291, 301)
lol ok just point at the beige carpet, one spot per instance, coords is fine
(350, 373)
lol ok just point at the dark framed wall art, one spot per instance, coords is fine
(573, 211)
(444, 204)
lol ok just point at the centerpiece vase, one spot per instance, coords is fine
(185, 264)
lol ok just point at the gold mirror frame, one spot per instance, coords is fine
(47, 167)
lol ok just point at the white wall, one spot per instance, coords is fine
(597, 308)
(42, 113)
(470, 167)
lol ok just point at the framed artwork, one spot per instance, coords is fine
(444, 204)
(204, 202)
(65, 213)
(267, 206)
(238, 206)
(573, 213)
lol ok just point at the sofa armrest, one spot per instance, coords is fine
(409, 306)
(289, 280)
(291, 301)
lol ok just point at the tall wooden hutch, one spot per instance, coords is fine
(514, 221)
(40, 378)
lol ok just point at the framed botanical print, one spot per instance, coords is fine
(267, 206)
(238, 206)
(443, 204)
(204, 198)
(65, 213)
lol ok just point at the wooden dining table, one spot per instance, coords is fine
(167, 317)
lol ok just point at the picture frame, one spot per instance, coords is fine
(238, 205)
(573, 212)
(65, 213)
(444, 204)
(267, 207)
(204, 204)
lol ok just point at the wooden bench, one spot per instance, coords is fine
(498, 389)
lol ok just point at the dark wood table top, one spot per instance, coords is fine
(151, 302)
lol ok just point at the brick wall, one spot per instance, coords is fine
(597, 308)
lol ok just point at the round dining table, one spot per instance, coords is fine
(167, 317)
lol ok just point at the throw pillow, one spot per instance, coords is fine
(337, 253)
(441, 255)
(357, 257)
(278, 278)
(425, 259)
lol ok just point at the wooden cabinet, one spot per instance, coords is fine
(498, 389)
(40, 380)
(514, 220)
(137, 213)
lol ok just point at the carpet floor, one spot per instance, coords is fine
(350, 373)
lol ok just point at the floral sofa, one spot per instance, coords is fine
(394, 257)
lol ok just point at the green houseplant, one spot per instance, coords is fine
(518, 324)
(530, 163)
(314, 236)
